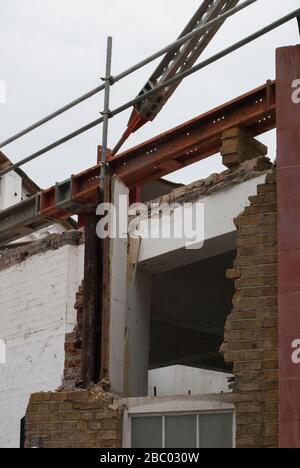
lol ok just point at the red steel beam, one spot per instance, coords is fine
(182, 146)
(198, 138)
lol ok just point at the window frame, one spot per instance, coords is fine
(161, 409)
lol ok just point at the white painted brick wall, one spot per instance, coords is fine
(10, 190)
(36, 310)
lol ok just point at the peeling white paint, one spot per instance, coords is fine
(36, 310)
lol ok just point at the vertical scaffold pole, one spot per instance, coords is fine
(106, 110)
(105, 188)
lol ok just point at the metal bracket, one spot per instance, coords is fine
(108, 113)
(269, 96)
(64, 198)
(110, 79)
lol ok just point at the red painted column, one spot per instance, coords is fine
(288, 175)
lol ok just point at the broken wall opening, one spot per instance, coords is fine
(171, 327)
(189, 307)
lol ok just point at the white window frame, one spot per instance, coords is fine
(162, 407)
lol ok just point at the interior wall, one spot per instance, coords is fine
(183, 380)
(188, 313)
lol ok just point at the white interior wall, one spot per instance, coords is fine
(181, 380)
(219, 232)
(137, 342)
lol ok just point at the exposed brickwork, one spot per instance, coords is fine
(74, 419)
(238, 146)
(52, 242)
(73, 346)
(217, 182)
(251, 342)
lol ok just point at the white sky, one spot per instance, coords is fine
(52, 51)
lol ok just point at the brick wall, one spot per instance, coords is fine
(10, 258)
(74, 419)
(252, 327)
(38, 285)
(73, 346)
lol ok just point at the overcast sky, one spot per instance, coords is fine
(52, 51)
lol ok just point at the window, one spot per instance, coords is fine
(214, 430)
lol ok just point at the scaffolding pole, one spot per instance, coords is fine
(106, 109)
(127, 72)
(178, 77)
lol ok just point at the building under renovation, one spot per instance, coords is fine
(140, 341)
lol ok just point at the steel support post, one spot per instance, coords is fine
(288, 180)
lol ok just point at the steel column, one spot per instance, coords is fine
(288, 175)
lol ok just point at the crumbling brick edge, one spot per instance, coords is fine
(251, 331)
(74, 419)
(245, 171)
(73, 347)
(52, 242)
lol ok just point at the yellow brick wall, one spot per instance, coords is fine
(250, 341)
